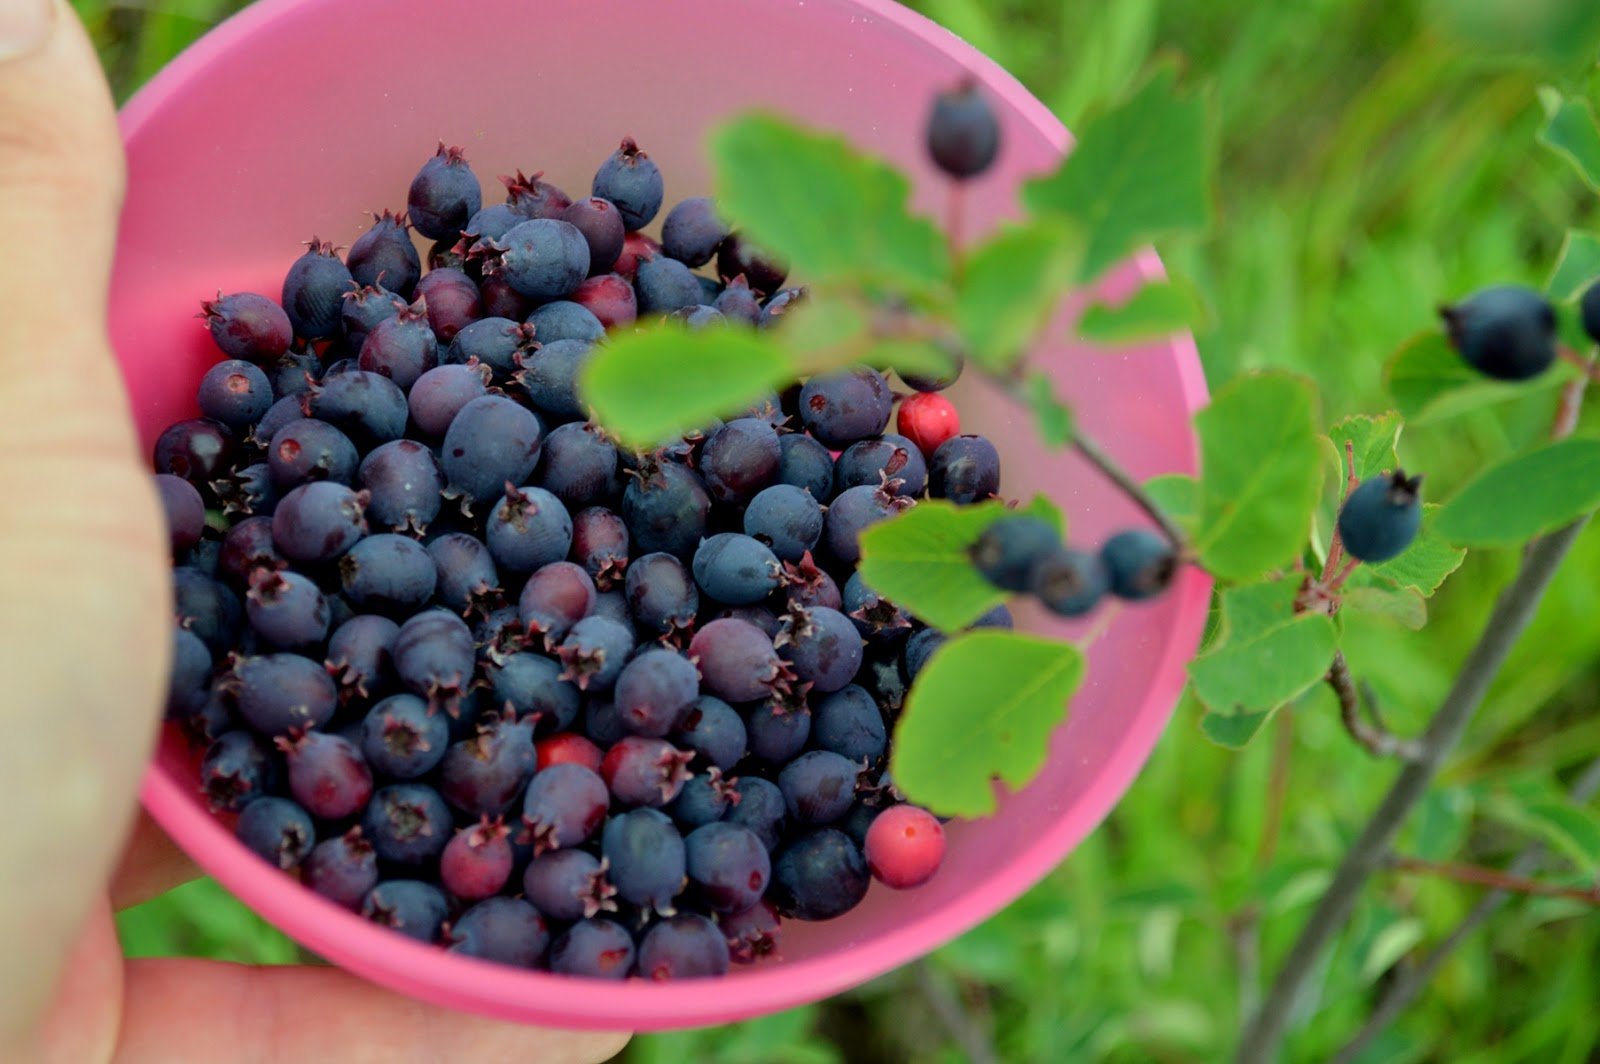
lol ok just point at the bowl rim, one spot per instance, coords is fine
(426, 972)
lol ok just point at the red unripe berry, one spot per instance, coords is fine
(927, 419)
(568, 748)
(905, 845)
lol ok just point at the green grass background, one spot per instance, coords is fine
(1376, 158)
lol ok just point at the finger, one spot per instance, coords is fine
(83, 591)
(178, 1011)
(151, 864)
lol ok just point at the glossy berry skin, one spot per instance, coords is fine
(184, 510)
(928, 419)
(692, 232)
(364, 308)
(593, 949)
(505, 930)
(806, 464)
(568, 748)
(579, 465)
(737, 257)
(248, 326)
(630, 179)
(645, 772)
(235, 393)
(662, 285)
(851, 513)
(401, 740)
(728, 866)
(822, 646)
(594, 652)
(327, 774)
(531, 686)
(740, 459)
(777, 732)
(818, 787)
(476, 862)
(495, 342)
(963, 134)
(752, 934)
(737, 660)
(444, 195)
(434, 657)
(686, 946)
(385, 255)
(564, 806)
(277, 831)
(1507, 332)
(491, 443)
(440, 393)
(1140, 563)
(603, 228)
(342, 869)
(892, 460)
(236, 770)
(849, 723)
(408, 824)
(467, 576)
(736, 569)
(1007, 551)
(1381, 517)
(819, 876)
(1068, 581)
(411, 907)
(286, 610)
(550, 377)
(307, 449)
(566, 320)
(964, 470)
(554, 599)
(654, 692)
(313, 291)
(662, 596)
(368, 407)
(610, 298)
(452, 302)
(197, 450)
(544, 259)
(319, 521)
(568, 885)
(713, 731)
(646, 857)
(904, 847)
(843, 407)
(279, 692)
(528, 528)
(599, 543)
(666, 509)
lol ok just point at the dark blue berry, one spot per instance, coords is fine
(208, 609)
(368, 407)
(738, 303)
(594, 949)
(965, 469)
(699, 317)
(664, 285)
(248, 326)
(740, 459)
(568, 885)
(737, 660)
(401, 739)
(247, 490)
(859, 819)
(1006, 552)
(439, 394)
(361, 655)
(365, 308)
(1070, 582)
(737, 257)
(402, 348)
(761, 808)
(692, 232)
(483, 775)
(491, 443)
(998, 617)
(408, 824)
(554, 599)
(434, 657)
(384, 255)
(579, 465)
(1141, 563)
(852, 513)
(319, 521)
(841, 408)
(565, 320)
(283, 411)
(713, 731)
(666, 508)
(235, 393)
(307, 449)
(528, 528)
(806, 464)
(532, 197)
(849, 724)
(444, 195)
(728, 865)
(1507, 332)
(785, 518)
(822, 646)
(403, 484)
(778, 730)
(919, 648)
(819, 876)
(920, 383)
(409, 906)
(654, 692)
(630, 179)
(286, 610)
(891, 459)
(1377, 522)
(594, 652)
(736, 569)
(342, 869)
(237, 769)
(277, 693)
(646, 857)
(564, 806)
(197, 450)
(661, 595)
(705, 799)
(530, 685)
(602, 724)
(504, 930)
(1589, 310)
(313, 291)
(685, 946)
(819, 787)
(388, 573)
(276, 830)
(963, 133)
(600, 544)
(498, 343)
(184, 510)
(190, 676)
(544, 259)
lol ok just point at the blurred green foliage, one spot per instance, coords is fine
(1376, 159)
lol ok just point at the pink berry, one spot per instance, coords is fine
(477, 861)
(905, 845)
(568, 748)
(928, 419)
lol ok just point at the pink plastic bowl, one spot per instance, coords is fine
(298, 116)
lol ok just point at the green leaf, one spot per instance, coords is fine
(918, 559)
(1572, 829)
(1236, 730)
(1265, 654)
(1158, 309)
(1388, 946)
(1139, 171)
(1373, 440)
(983, 707)
(1571, 132)
(1428, 381)
(1178, 495)
(1259, 474)
(835, 212)
(1010, 286)
(1404, 605)
(1576, 267)
(1425, 564)
(652, 385)
(1051, 416)
(1528, 495)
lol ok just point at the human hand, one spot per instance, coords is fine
(85, 615)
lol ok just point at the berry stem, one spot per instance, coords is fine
(1097, 457)
(954, 223)
(1482, 876)
(1510, 617)
(1409, 981)
(1587, 365)
(1371, 733)
(1571, 404)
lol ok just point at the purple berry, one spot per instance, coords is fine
(778, 729)
(408, 824)
(705, 799)
(728, 865)
(643, 771)
(965, 469)
(603, 230)
(365, 308)
(544, 259)
(764, 619)
(483, 775)
(889, 459)
(1068, 581)
(852, 513)
(631, 180)
(760, 807)
(594, 949)
(277, 831)
(603, 724)
(286, 609)
(554, 599)
(190, 676)
(248, 326)
(247, 491)
(919, 648)
(663, 285)
(779, 304)
(235, 393)
(564, 806)
(736, 569)
(646, 858)
(404, 486)
(738, 303)
(435, 657)
(452, 302)
(439, 394)
(822, 646)
(550, 377)
(569, 885)
(819, 876)
(388, 574)
(532, 197)
(699, 317)
(498, 343)
(566, 320)
(319, 521)
(808, 586)
(819, 787)
(530, 685)
(385, 255)
(963, 134)
(184, 509)
(599, 541)
(661, 595)
(499, 634)
(1006, 552)
(1141, 563)
(444, 195)
(279, 693)
(208, 609)
(342, 869)
(368, 407)
(500, 300)
(409, 906)
(594, 651)
(713, 731)
(610, 297)
(654, 692)
(737, 660)
(236, 770)
(685, 946)
(843, 407)
(401, 739)
(740, 459)
(876, 618)
(692, 232)
(491, 443)
(305, 450)
(504, 930)
(849, 724)
(737, 257)
(999, 617)
(402, 348)
(198, 450)
(313, 291)
(785, 518)
(579, 465)
(476, 862)
(527, 529)
(327, 774)
(666, 507)
(751, 934)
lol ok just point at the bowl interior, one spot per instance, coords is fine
(299, 116)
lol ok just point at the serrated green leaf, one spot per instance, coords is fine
(1010, 285)
(1424, 565)
(1428, 381)
(1525, 496)
(1571, 132)
(836, 212)
(1235, 731)
(1264, 654)
(1139, 171)
(918, 559)
(652, 385)
(1158, 309)
(1259, 466)
(1577, 266)
(983, 707)
(1373, 439)
(1572, 829)
(1404, 605)
(1051, 416)
(1178, 495)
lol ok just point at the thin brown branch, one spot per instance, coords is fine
(1361, 718)
(1108, 467)
(1586, 364)
(1482, 876)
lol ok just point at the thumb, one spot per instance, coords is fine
(85, 613)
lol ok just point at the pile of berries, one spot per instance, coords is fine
(462, 665)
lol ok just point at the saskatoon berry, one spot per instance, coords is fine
(407, 824)
(1381, 517)
(1140, 563)
(737, 257)
(368, 407)
(327, 774)
(963, 134)
(190, 673)
(1507, 332)
(654, 692)
(594, 949)
(737, 660)
(904, 846)
(277, 831)
(785, 518)
(740, 459)
(361, 655)
(568, 748)
(818, 787)
(388, 574)
(841, 408)
(342, 869)
(819, 876)
(693, 232)
(563, 807)
(737, 303)
(305, 450)
(566, 320)
(529, 528)
(286, 609)
(476, 862)
(699, 317)
(849, 723)
(530, 685)
(235, 393)
(666, 508)
(579, 465)
(439, 394)
(409, 906)
(636, 249)
(544, 259)
(736, 569)
(594, 651)
(467, 576)
(444, 195)
(602, 723)
(402, 348)
(364, 308)
(761, 808)
(568, 885)
(247, 491)
(483, 775)
(554, 599)
(208, 609)
(705, 799)
(713, 731)
(599, 543)
(452, 302)
(550, 377)
(498, 343)
(1069, 582)
(751, 934)
(532, 197)
(728, 866)
(505, 930)
(198, 450)
(313, 291)
(662, 285)
(603, 228)
(965, 469)
(661, 595)
(852, 513)
(630, 179)
(822, 645)
(890, 459)
(491, 443)
(610, 298)
(777, 730)
(434, 657)
(278, 693)
(644, 771)
(248, 326)
(779, 305)
(808, 586)
(923, 384)
(805, 463)
(646, 858)
(385, 255)
(319, 521)
(401, 739)
(237, 769)
(184, 509)
(685, 946)
(1007, 551)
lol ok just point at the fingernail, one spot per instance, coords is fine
(24, 25)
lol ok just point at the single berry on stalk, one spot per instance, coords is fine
(963, 134)
(1381, 517)
(1507, 332)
